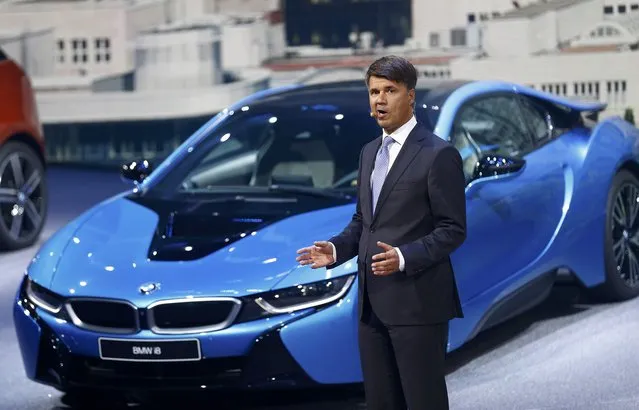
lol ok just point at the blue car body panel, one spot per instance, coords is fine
(549, 215)
(112, 246)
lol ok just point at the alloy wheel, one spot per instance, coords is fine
(21, 197)
(625, 233)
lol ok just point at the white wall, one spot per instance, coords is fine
(151, 104)
(436, 16)
(180, 10)
(258, 41)
(572, 21)
(234, 6)
(507, 37)
(178, 58)
(39, 59)
(543, 32)
(192, 9)
(522, 36)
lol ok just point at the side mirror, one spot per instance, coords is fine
(496, 165)
(136, 171)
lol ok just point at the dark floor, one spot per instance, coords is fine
(565, 354)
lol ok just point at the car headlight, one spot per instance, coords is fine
(42, 297)
(295, 298)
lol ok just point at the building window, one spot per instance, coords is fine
(471, 17)
(634, 7)
(458, 37)
(616, 92)
(608, 10)
(434, 39)
(102, 49)
(79, 49)
(621, 8)
(61, 51)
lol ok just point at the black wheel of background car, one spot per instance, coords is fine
(622, 238)
(23, 196)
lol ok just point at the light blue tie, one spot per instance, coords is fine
(381, 168)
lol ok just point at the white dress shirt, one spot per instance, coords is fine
(400, 135)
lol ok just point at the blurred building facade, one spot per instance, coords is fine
(572, 48)
(116, 79)
(120, 77)
(583, 49)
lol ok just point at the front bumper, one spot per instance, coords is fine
(280, 352)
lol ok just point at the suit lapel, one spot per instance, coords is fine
(406, 155)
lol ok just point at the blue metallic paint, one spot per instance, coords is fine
(325, 343)
(548, 215)
(28, 334)
(111, 246)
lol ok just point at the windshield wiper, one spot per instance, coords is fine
(304, 190)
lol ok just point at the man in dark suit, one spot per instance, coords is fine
(411, 215)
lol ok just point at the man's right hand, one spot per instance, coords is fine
(318, 256)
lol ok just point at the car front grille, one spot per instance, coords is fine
(110, 316)
(192, 315)
(173, 316)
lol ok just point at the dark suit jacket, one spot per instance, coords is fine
(422, 210)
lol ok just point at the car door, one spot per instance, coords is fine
(511, 217)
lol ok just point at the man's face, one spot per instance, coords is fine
(391, 102)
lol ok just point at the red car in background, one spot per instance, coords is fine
(23, 191)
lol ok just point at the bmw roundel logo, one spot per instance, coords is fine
(148, 288)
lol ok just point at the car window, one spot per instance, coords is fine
(538, 119)
(493, 125)
(468, 151)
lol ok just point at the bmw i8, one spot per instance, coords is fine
(189, 279)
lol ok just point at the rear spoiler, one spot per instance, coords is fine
(589, 109)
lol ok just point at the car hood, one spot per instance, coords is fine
(219, 249)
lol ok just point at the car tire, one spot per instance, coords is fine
(31, 196)
(621, 244)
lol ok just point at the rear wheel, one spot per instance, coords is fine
(23, 196)
(622, 238)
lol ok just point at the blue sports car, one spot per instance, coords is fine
(189, 280)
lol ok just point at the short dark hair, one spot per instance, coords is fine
(394, 68)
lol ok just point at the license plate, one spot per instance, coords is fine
(132, 350)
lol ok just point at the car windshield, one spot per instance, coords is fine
(303, 145)
(307, 147)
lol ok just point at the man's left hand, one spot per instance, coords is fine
(387, 262)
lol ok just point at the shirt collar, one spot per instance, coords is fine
(401, 134)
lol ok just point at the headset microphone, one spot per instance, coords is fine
(372, 114)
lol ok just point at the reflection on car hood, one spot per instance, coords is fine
(112, 253)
